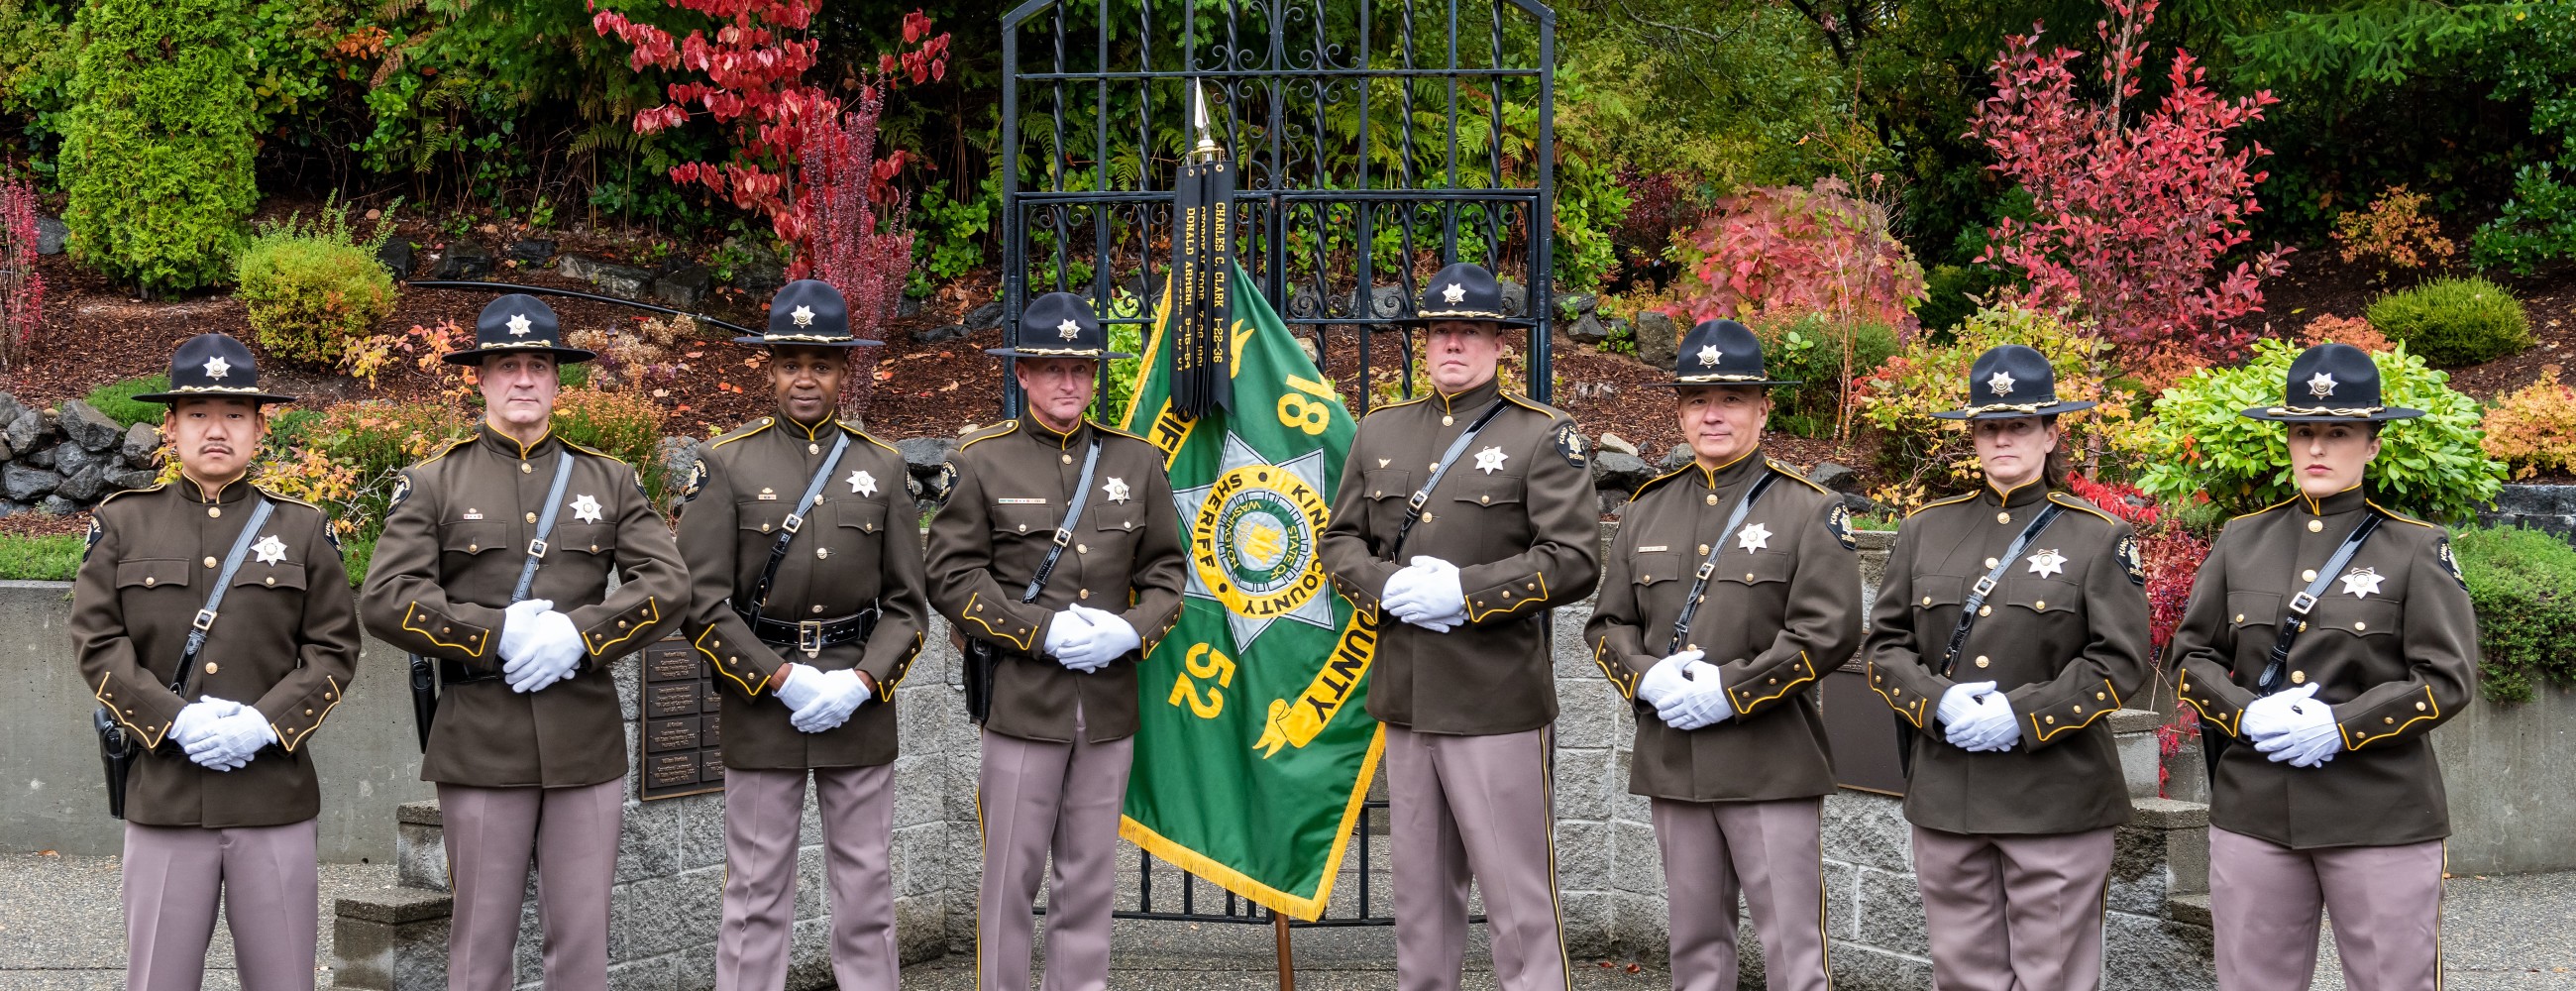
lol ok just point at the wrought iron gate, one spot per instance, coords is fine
(1375, 140)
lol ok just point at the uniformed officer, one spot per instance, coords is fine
(2011, 620)
(1732, 585)
(221, 800)
(528, 749)
(810, 614)
(1458, 577)
(2326, 636)
(1059, 734)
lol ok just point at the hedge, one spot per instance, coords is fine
(2519, 581)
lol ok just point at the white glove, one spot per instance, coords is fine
(2275, 714)
(1703, 703)
(553, 657)
(2308, 736)
(1666, 679)
(1434, 600)
(1992, 727)
(1399, 585)
(1960, 702)
(839, 694)
(1068, 628)
(197, 718)
(231, 740)
(519, 627)
(798, 685)
(1108, 638)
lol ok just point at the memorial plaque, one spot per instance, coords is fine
(679, 723)
(709, 736)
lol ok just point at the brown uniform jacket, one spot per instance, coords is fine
(860, 547)
(285, 642)
(451, 552)
(1775, 615)
(2066, 639)
(1516, 514)
(2394, 660)
(1014, 481)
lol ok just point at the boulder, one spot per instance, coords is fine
(10, 409)
(682, 289)
(50, 235)
(462, 259)
(24, 432)
(1861, 505)
(934, 335)
(88, 427)
(1388, 303)
(532, 251)
(1658, 338)
(622, 281)
(57, 506)
(136, 479)
(583, 267)
(84, 485)
(42, 457)
(1587, 329)
(12, 507)
(1576, 305)
(1622, 472)
(397, 257)
(1674, 459)
(25, 483)
(1515, 297)
(70, 459)
(985, 317)
(1614, 442)
(141, 440)
(925, 453)
(1836, 477)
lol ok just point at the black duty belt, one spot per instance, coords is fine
(811, 636)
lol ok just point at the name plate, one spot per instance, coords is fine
(677, 697)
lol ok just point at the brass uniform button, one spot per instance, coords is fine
(149, 581)
(1991, 562)
(1485, 499)
(2298, 677)
(1927, 600)
(308, 712)
(1748, 576)
(2039, 604)
(2388, 719)
(1376, 493)
(813, 448)
(621, 624)
(2358, 626)
(1084, 594)
(524, 469)
(210, 667)
(1434, 466)
(2240, 617)
(1984, 661)
(1712, 498)
(1532, 586)
(532, 517)
(2316, 525)
(822, 552)
(1645, 578)
(2051, 720)
(2003, 517)
(1067, 458)
(2419, 706)
(1447, 420)
(1985, 610)
(2308, 575)
(215, 512)
(471, 548)
(2099, 696)
(270, 580)
(210, 562)
(1703, 549)
(818, 608)
(1082, 548)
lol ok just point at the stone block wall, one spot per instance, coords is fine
(2541, 507)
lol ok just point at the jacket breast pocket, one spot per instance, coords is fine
(1653, 567)
(583, 538)
(1386, 489)
(2250, 610)
(1022, 518)
(1489, 490)
(2372, 617)
(152, 573)
(1935, 591)
(1756, 569)
(287, 576)
(1121, 517)
(864, 516)
(760, 517)
(471, 538)
(2039, 595)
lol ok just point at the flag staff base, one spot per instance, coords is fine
(1287, 960)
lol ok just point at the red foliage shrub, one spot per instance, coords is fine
(22, 290)
(2173, 558)
(1792, 251)
(858, 241)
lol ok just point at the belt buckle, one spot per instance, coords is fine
(205, 619)
(1419, 497)
(809, 636)
(791, 523)
(1706, 568)
(536, 548)
(1985, 585)
(1063, 536)
(2302, 602)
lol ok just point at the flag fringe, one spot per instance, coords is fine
(1291, 905)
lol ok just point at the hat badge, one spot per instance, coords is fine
(1069, 329)
(803, 315)
(1455, 294)
(2001, 383)
(519, 324)
(217, 367)
(1708, 354)
(2321, 385)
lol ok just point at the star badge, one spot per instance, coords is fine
(1068, 329)
(217, 367)
(585, 509)
(519, 325)
(1454, 295)
(803, 315)
(2001, 383)
(1115, 488)
(2362, 582)
(2047, 562)
(1753, 538)
(1708, 354)
(1490, 459)
(862, 483)
(269, 550)
(2321, 385)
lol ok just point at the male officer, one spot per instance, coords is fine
(1733, 584)
(1059, 550)
(806, 597)
(215, 626)
(1463, 516)
(495, 561)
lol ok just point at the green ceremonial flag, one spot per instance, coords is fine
(1256, 747)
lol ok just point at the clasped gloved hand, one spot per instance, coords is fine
(198, 717)
(1959, 702)
(1702, 703)
(1991, 727)
(230, 741)
(554, 653)
(2300, 731)
(519, 627)
(1432, 599)
(835, 697)
(1670, 675)
(1106, 638)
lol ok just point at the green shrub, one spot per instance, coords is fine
(41, 559)
(625, 424)
(312, 288)
(2454, 321)
(2519, 580)
(355, 555)
(158, 148)
(2431, 466)
(1810, 350)
(116, 399)
(346, 458)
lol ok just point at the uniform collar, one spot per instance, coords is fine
(1038, 431)
(510, 447)
(2022, 495)
(1732, 473)
(787, 425)
(228, 492)
(1473, 398)
(2346, 501)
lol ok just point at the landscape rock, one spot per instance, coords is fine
(985, 317)
(622, 281)
(683, 289)
(50, 235)
(42, 457)
(88, 427)
(136, 479)
(1576, 304)
(1614, 442)
(10, 409)
(57, 506)
(1622, 472)
(25, 483)
(462, 259)
(12, 507)
(25, 430)
(70, 459)
(934, 335)
(1305, 302)
(1836, 477)
(532, 251)
(84, 485)
(760, 273)
(1658, 338)
(1587, 329)
(1515, 297)
(1861, 505)
(922, 457)
(141, 440)
(583, 267)
(1677, 457)
(397, 257)
(907, 308)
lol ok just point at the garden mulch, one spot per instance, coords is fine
(2319, 283)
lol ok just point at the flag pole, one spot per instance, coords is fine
(1287, 961)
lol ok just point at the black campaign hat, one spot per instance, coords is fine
(213, 366)
(2339, 383)
(1060, 325)
(514, 323)
(1463, 291)
(812, 313)
(1721, 352)
(2012, 380)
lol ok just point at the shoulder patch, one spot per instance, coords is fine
(941, 484)
(1839, 521)
(697, 481)
(96, 532)
(1571, 446)
(402, 491)
(331, 534)
(1793, 475)
(2131, 562)
(2450, 562)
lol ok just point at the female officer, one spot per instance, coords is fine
(2011, 620)
(2325, 637)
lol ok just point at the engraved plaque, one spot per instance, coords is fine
(665, 772)
(678, 729)
(709, 735)
(666, 699)
(661, 735)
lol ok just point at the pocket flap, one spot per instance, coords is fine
(279, 575)
(1388, 483)
(1757, 568)
(477, 537)
(1939, 590)
(1650, 567)
(2254, 608)
(2043, 595)
(582, 538)
(865, 516)
(152, 572)
(1122, 516)
(1487, 490)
